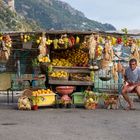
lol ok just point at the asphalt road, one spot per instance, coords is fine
(69, 124)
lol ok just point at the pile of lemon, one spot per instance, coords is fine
(59, 74)
(44, 59)
(42, 92)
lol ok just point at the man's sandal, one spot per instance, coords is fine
(130, 108)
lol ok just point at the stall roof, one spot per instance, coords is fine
(55, 32)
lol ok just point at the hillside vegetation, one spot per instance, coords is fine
(11, 21)
(46, 14)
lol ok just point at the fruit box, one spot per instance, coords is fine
(78, 98)
(44, 100)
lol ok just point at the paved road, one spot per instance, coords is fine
(69, 124)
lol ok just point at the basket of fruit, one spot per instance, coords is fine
(58, 75)
(91, 100)
(43, 97)
(90, 104)
(80, 77)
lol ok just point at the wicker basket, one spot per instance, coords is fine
(91, 106)
(80, 78)
(27, 92)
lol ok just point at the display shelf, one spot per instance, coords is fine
(72, 69)
(30, 78)
(61, 82)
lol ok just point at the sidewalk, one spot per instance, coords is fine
(69, 124)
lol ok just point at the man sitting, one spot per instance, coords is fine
(132, 82)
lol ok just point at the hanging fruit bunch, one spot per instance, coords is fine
(138, 42)
(108, 51)
(38, 40)
(101, 40)
(119, 40)
(98, 52)
(48, 41)
(129, 41)
(55, 44)
(1, 37)
(77, 41)
(61, 43)
(92, 46)
(5, 48)
(85, 43)
(115, 71)
(113, 41)
(25, 38)
(65, 42)
(44, 59)
(7, 40)
(134, 50)
(43, 56)
(125, 41)
(71, 41)
(124, 37)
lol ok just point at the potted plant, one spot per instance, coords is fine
(36, 66)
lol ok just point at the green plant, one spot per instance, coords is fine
(35, 62)
(124, 37)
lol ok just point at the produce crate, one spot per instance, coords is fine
(78, 98)
(60, 78)
(44, 100)
(80, 77)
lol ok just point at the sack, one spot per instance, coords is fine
(24, 103)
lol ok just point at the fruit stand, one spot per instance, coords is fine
(83, 60)
(69, 63)
(70, 81)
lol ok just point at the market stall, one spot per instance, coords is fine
(84, 60)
